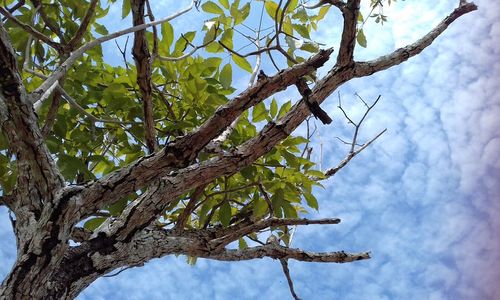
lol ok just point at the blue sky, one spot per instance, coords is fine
(424, 199)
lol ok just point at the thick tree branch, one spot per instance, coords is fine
(348, 41)
(142, 59)
(7, 200)
(404, 53)
(103, 254)
(19, 123)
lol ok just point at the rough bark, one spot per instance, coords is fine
(47, 210)
(142, 59)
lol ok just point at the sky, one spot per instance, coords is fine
(424, 198)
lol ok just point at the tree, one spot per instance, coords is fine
(164, 156)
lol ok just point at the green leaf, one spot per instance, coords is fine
(302, 30)
(284, 108)
(260, 207)
(211, 7)
(167, 34)
(242, 14)
(235, 11)
(259, 112)
(92, 224)
(271, 8)
(291, 7)
(316, 173)
(361, 39)
(191, 260)
(312, 202)
(226, 76)
(274, 108)
(289, 210)
(227, 38)
(322, 12)
(242, 63)
(242, 244)
(125, 8)
(311, 47)
(225, 213)
(212, 32)
(224, 3)
(101, 29)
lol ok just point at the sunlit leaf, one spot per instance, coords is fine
(361, 39)
(211, 7)
(242, 63)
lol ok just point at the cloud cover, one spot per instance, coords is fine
(424, 198)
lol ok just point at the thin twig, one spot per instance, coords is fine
(332, 171)
(286, 271)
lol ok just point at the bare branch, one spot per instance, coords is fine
(50, 118)
(190, 207)
(404, 53)
(19, 4)
(256, 52)
(280, 252)
(266, 198)
(233, 235)
(286, 271)
(332, 171)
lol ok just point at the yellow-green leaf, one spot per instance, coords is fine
(361, 38)
(284, 109)
(274, 108)
(224, 3)
(125, 8)
(322, 12)
(92, 224)
(167, 34)
(259, 112)
(211, 7)
(226, 76)
(271, 8)
(225, 213)
(242, 63)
